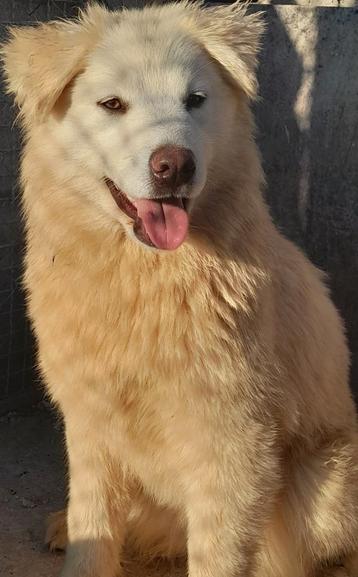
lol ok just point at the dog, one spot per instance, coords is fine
(194, 353)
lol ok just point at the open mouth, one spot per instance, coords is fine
(161, 223)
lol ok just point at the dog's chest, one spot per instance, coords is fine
(161, 443)
(106, 327)
(143, 356)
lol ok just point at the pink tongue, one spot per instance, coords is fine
(166, 222)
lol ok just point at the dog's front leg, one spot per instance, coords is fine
(98, 503)
(230, 499)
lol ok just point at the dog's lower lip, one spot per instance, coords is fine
(126, 206)
(121, 199)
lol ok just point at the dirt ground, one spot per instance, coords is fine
(31, 486)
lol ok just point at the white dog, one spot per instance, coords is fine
(197, 360)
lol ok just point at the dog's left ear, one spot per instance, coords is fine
(232, 37)
(40, 61)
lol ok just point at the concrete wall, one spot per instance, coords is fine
(308, 133)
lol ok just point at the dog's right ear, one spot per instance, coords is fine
(40, 61)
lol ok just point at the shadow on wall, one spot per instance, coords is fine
(308, 134)
(332, 224)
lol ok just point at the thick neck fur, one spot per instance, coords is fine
(216, 277)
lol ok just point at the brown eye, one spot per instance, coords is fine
(114, 104)
(195, 100)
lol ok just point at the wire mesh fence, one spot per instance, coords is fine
(17, 374)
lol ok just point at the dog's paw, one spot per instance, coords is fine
(56, 531)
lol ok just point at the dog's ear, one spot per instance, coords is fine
(40, 61)
(232, 37)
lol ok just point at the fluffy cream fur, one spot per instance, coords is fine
(204, 391)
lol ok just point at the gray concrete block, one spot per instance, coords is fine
(308, 134)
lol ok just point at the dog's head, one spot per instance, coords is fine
(144, 101)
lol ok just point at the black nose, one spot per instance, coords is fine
(171, 167)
